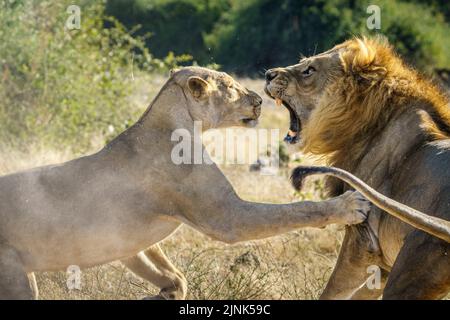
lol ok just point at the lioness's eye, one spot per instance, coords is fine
(309, 71)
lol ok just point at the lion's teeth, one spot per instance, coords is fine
(278, 101)
(292, 133)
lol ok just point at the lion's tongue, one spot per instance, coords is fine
(291, 136)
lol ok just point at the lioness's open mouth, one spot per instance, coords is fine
(250, 122)
(293, 135)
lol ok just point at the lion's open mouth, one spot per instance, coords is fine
(293, 135)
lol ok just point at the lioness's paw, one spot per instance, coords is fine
(168, 294)
(355, 207)
(157, 297)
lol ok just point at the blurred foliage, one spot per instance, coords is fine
(264, 33)
(418, 32)
(175, 26)
(438, 6)
(246, 37)
(259, 34)
(62, 86)
(66, 86)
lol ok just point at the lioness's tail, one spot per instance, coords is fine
(433, 225)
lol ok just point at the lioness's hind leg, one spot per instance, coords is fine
(14, 283)
(33, 284)
(153, 265)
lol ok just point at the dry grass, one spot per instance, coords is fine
(290, 266)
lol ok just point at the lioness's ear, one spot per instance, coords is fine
(174, 70)
(198, 87)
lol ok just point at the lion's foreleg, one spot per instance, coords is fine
(351, 271)
(367, 292)
(153, 266)
(14, 283)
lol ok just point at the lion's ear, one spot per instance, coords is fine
(359, 55)
(198, 87)
(365, 54)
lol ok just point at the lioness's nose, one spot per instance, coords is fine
(256, 98)
(259, 100)
(271, 74)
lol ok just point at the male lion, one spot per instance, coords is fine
(119, 203)
(363, 110)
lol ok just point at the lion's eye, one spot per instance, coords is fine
(309, 71)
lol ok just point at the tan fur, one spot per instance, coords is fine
(363, 110)
(375, 85)
(435, 226)
(119, 203)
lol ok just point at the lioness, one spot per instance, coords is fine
(360, 107)
(119, 203)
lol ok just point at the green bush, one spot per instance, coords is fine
(417, 32)
(175, 26)
(258, 34)
(62, 87)
(438, 6)
(245, 37)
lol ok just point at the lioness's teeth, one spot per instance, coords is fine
(292, 133)
(278, 101)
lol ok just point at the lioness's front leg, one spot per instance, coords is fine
(230, 219)
(153, 266)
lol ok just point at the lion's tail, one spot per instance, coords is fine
(433, 225)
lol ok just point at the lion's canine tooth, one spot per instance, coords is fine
(278, 101)
(292, 133)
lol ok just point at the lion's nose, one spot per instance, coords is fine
(271, 74)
